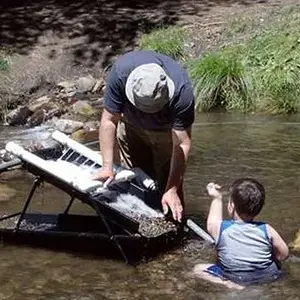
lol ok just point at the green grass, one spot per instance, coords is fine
(260, 72)
(255, 67)
(165, 40)
(219, 80)
(273, 62)
(4, 63)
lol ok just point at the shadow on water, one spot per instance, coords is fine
(98, 29)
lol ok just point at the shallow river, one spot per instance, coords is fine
(225, 147)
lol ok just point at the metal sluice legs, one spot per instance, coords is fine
(36, 184)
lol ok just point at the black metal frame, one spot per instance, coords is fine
(117, 231)
(37, 182)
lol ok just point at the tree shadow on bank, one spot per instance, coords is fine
(92, 30)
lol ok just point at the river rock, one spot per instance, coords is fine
(67, 88)
(99, 85)
(295, 245)
(85, 84)
(44, 113)
(84, 136)
(98, 103)
(18, 116)
(5, 156)
(67, 126)
(39, 103)
(83, 108)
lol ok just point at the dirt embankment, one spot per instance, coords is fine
(51, 41)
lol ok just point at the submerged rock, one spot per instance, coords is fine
(99, 85)
(6, 193)
(295, 245)
(5, 156)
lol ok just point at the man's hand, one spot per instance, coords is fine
(104, 174)
(171, 200)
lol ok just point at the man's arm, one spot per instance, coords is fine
(181, 148)
(107, 135)
(183, 118)
(113, 106)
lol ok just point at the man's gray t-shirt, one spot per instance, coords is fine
(178, 113)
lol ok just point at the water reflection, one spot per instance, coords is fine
(225, 147)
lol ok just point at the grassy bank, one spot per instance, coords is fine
(254, 66)
(166, 40)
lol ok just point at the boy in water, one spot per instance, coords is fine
(248, 252)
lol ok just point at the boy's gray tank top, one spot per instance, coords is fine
(243, 246)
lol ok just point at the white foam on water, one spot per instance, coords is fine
(80, 176)
(66, 168)
(131, 203)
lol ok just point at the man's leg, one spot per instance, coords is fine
(134, 150)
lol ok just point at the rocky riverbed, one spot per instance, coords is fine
(72, 107)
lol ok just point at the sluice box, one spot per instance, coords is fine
(127, 221)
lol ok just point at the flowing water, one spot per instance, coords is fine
(225, 147)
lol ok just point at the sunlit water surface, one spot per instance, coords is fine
(225, 147)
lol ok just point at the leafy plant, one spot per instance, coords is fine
(219, 80)
(165, 40)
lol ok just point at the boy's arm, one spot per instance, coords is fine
(215, 215)
(280, 248)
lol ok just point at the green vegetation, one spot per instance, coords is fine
(4, 59)
(166, 40)
(256, 65)
(219, 80)
(3, 64)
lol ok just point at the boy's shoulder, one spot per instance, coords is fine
(242, 231)
(225, 224)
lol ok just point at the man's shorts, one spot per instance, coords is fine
(149, 150)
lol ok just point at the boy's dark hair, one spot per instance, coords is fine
(248, 196)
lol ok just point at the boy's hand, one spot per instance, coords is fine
(213, 190)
